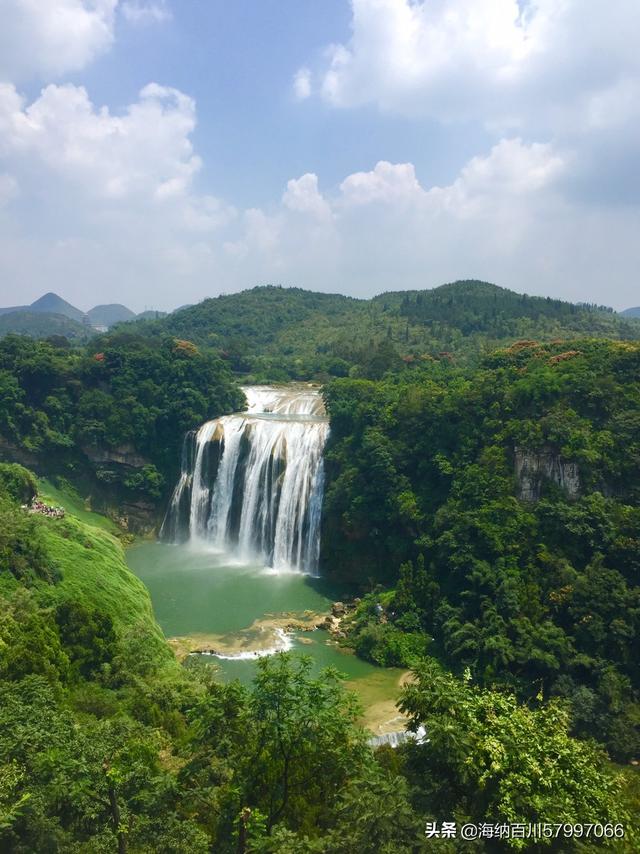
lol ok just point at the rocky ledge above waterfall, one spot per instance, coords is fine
(122, 455)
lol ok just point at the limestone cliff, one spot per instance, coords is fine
(534, 468)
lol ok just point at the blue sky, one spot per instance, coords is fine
(237, 60)
(154, 153)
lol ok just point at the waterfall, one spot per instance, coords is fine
(252, 483)
(395, 739)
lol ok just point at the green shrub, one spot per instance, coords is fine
(387, 646)
(18, 483)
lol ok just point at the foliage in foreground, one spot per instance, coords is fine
(494, 758)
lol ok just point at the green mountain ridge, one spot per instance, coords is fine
(277, 333)
(42, 318)
(11, 308)
(259, 322)
(517, 608)
(151, 314)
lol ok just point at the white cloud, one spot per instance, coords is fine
(512, 167)
(302, 195)
(53, 37)
(145, 151)
(105, 192)
(113, 198)
(509, 64)
(410, 56)
(387, 183)
(302, 84)
(140, 12)
(561, 72)
(505, 218)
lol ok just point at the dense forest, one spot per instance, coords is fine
(43, 325)
(500, 511)
(482, 504)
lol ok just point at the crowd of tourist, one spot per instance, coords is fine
(38, 506)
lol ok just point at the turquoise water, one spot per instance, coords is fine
(198, 591)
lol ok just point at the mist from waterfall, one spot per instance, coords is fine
(252, 484)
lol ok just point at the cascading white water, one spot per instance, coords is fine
(252, 483)
(395, 739)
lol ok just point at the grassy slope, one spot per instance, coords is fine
(94, 572)
(74, 504)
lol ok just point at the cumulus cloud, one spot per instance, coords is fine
(406, 55)
(547, 71)
(49, 38)
(114, 191)
(53, 37)
(90, 193)
(506, 63)
(122, 190)
(388, 183)
(144, 151)
(302, 195)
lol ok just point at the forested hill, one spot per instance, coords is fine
(473, 306)
(281, 333)
(42, 325)
(259, 314)
(107, 745)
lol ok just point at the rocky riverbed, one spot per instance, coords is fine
(265, 636)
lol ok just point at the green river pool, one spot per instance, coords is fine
(199, 592)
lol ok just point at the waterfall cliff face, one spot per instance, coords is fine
(252, 484)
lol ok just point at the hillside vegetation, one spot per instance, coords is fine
(110, 414)
(109, 417)
(481, 500)
(50, 315)
(288, 333)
